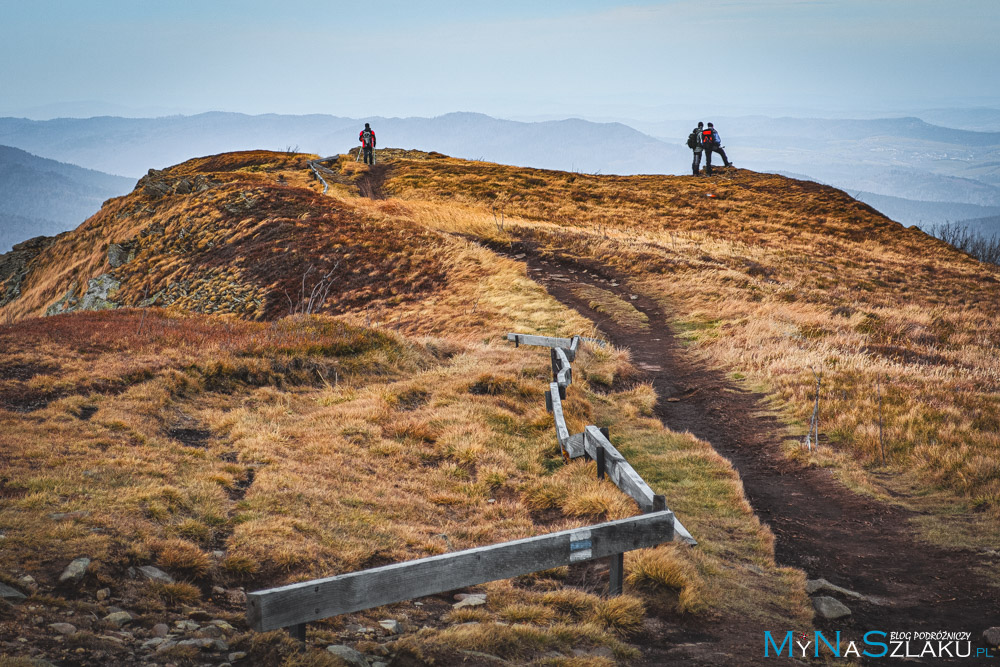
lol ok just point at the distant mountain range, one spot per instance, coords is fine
(131, 146)
(41, 196)
(914, 171)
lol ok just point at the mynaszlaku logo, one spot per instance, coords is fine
(875, 644)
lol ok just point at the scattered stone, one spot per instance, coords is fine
(153, 643)
(218, 590)
(98, 296)
(829, 607)
(992, 636)
(210, 631)
(11, 594)
(223, 625)
(359, 629)
(236, 656)
(155, 574)
(815, 585)
(379, 663)
(203, 643)
(186, 626)
(348, 655)
(74, 571)
(470, 600)
(103, 594)
(486, 656)
(237, 597)
(391, 626)
(63, 628)
(119, 618)
(161, 630)
(28, 582)
(220, 645)
(219, 555)
(121, 253)
(165, 646)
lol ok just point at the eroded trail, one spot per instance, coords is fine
(821, 527)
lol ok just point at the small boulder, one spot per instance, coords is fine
(161, 630)
(11, 594)
(119, 618)
(63, 628)
(471, 600)
(348, 655)
(103, 594)
(155, 574)
(391, 626)
(992, 636)
(236, 656)
(223, 625)
(75, 571)
(830, 608)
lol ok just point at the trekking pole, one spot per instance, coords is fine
(360, 151)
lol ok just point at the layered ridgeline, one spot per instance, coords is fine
(44, 197)
(283, 384)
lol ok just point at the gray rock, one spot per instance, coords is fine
(74, 571)
(186, 626)
(220, 645)
(183, 187)
(391, 626)
(155, 574)
(236, 656)
(121, 253)
(210, 631)
(169, 644)
(348, 655)
(98, 296)
(28, 582)
(830, 608)
(10, 594)
(153, 643)
(816, 585)
(103, 594)
(119, 618)
(473, 600)
(223, 625)
(161, 630)
(63, 628)
(69, 516)
(200, 642)
(992, 636)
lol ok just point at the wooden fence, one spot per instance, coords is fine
(293, 606)
(592, 442)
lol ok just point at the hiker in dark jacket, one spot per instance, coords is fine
(712, 144)
(694, 143)
(367, 139)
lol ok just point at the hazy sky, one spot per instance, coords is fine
(503, 57)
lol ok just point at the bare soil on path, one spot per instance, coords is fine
(820, 526)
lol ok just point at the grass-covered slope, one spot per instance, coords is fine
(209, 434)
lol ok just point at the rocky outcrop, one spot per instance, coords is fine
(157, 184)
(99, 294)
(14, 266)
(122, 253)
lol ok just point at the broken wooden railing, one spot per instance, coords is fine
(295, 605)
(592, 442)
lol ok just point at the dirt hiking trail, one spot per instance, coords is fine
(821, 527)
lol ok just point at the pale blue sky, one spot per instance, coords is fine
(516, 58)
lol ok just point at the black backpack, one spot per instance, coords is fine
(366, 138)
(693, 139)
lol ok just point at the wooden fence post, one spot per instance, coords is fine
(616, 574)
(601, 464)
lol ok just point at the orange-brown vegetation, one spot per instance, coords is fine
(397, 423)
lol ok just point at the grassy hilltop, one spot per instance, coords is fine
(283, 384)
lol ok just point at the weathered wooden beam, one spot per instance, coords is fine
(562, 432)
(574, 446)
(542, 341)
(309, 601)
(625, 477)
(563, 372)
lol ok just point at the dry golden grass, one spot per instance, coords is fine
(772, 278)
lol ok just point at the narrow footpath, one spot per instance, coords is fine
(821, 527)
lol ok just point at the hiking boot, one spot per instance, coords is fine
(729, 164)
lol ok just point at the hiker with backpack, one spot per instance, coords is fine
(712, 144)
(367, 139)
(694, 143)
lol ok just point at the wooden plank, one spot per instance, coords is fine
(321, 598)
(626, 478)
(574, 445)
(563, 371)
(562, 432)
(542, 341)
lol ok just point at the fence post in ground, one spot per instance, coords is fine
(616, 574)
(601, 464)
(297, 632)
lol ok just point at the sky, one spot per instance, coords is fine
(514, 59)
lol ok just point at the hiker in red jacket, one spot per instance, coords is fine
(367, 139)
(711, 143)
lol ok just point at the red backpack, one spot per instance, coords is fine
(706, 137)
